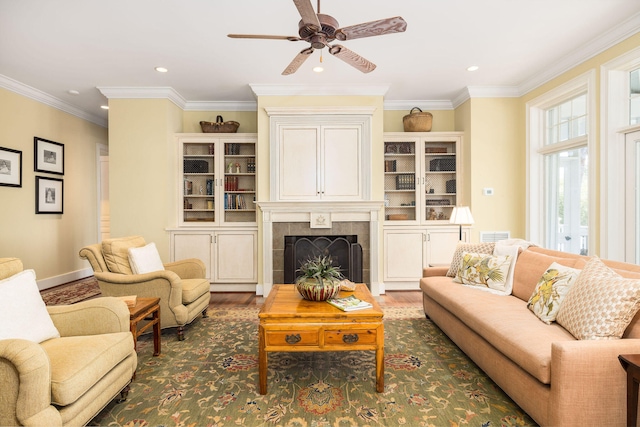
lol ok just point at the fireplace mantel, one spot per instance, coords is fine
(320, 215)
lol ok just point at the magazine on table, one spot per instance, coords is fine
(349, 303)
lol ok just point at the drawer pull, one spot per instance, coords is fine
(292, 339)
(350, 338)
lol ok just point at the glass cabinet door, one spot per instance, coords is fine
(439, 180)
(199, 176)
(400, 180)
(239, 182)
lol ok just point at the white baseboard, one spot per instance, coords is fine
(402, 286)
(217, 287)
(50, 282)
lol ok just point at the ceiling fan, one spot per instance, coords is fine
(319, 30)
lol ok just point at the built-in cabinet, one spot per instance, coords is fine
(216, 209)
(421, 176)
(324, 158)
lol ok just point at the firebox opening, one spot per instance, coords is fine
(345, 252)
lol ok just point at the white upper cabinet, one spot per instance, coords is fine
(318, 157)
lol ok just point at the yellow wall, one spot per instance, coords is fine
(49, 243)
(142, 168)
(443, 120)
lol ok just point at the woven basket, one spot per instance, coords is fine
(417, 122)
(219, 126)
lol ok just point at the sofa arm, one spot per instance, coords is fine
(93, 317)
(435, 271)
(25, 381)
(588, 371)
(191, 268)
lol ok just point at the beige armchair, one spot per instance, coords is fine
(66, 381)
(182, 288)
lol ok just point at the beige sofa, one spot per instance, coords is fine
(66, 381)
(557, 379)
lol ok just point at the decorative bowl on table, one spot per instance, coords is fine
(319, 279)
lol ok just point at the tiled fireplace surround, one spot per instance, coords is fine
(281, 219)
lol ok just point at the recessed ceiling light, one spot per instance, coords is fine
(318, 69)
(161, 69)
(473, 68)
(73, 92)
(104, 107)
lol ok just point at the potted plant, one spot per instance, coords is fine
(319, 279)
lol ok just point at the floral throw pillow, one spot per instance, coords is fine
(550, 291)
(483, 270)
(485, 248)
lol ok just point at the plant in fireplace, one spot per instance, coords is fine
(319, 279)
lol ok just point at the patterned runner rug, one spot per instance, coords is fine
(72, 292)
(211, 379)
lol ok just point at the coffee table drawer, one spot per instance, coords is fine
(351, 336)
(297, 338)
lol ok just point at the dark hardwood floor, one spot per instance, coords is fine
(245, 299)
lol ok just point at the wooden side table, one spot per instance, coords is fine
(144, 308)
(631, 364)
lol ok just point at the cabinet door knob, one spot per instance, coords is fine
(292, 339)
(350, 338)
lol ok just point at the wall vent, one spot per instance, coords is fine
(493, 236)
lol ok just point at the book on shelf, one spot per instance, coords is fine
(349, 303)
(130, 300)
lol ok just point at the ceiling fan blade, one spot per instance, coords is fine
(352, 58)
(307, 13)
(298, 61)
(262, 36)
(373, 28)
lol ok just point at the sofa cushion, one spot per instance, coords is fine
(145, 259)
(601, 304)
(503, 321)
(116, 253)
(531, 265)
(192, 289)
(23, 313)
(551, 290)
(483, 248)
(487, 271)
(79, 362)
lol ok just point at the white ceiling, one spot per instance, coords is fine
(50, 47)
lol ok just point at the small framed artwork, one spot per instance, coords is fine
(10, 167)
(390, 148)
(48, 156)
(49, 195)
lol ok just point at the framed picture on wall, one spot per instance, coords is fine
(10, 167)
(48, 156)
(49, 195)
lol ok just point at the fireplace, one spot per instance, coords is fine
(336, 218)
(345, 253)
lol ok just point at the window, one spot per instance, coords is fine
(560, 175)
(620, 112)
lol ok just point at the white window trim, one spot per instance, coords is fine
(535, 109)
(615, 123)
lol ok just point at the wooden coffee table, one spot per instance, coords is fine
(290, 323)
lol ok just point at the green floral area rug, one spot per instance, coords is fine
(211, 379)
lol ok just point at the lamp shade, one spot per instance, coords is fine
(461, 215)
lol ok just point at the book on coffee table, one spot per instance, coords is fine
(349, 303)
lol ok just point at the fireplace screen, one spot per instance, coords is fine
(345, 252)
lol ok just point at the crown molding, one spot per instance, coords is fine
(567, 62)
(144, 93)
(317, 90)
(44, 98)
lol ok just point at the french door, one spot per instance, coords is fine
(632, 197)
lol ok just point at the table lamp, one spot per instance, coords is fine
(461, 215)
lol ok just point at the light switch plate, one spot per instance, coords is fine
(487, 191)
